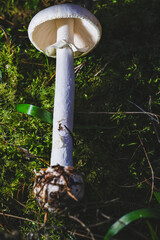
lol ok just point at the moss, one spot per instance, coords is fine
(124, 66)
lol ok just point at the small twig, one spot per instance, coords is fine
(135, 152)
(79, 234)
(21, 218)
(18, 194)
(105, 216)
(154, 124)
(45, 2)
(101, 70)
(30, 155)
(118, 113)
(26, 152)
(149, 104)
(23, 188)
(137, 232)
(23, 37)
(79, 67)
(45, 217)
(2, 226)
(1, 123)
(7, 21)
(24, 61)
(148, 114)
(62, 1)
(136, 184)
(150, 184)
(71, 134)
(100, 204)
(96, 235)
(5, 220)
(5, 34)
(23, 205)
(76, 69)
(98, 224)
(156, 131)
(50, 78)
(82, 224)
(152, 172)
(105, 65)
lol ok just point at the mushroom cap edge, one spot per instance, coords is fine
(42, 28)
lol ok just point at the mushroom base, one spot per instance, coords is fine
(57, 187)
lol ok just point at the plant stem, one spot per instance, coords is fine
(62, 146)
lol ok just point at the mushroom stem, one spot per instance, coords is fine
(62, 146)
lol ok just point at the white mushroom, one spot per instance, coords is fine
(64, 31)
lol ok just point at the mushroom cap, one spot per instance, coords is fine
(42, 30)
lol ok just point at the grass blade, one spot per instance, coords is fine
(129, 218)
(0, 76)
(157, 196)
(152, 232)
(35, 111)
